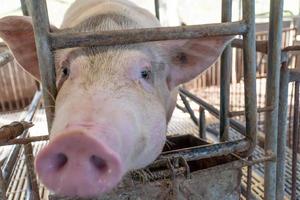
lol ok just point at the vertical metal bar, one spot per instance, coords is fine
(34, 189)
(295, 142)
(3, 186)
(24, 8)
(226, 64)
(274, 55)
(250, 72)
(282, 131)
(156, 3)
(41, 26)
(249, 180)
(202, 123)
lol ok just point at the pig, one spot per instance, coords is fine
(113, 103)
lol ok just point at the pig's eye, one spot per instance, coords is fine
(65, 71)
(146, 74)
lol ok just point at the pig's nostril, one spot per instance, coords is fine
(60, 160)
(99, 163)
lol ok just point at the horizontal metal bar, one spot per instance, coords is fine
(65, 39)
(208, 151)
(25, 140)
(292, 48)
(214, 111)
(261, 46)
(294, 74)
(5, 57)
(242, 112)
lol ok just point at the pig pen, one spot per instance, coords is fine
(182, 169)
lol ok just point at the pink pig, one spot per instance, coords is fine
(113, 103)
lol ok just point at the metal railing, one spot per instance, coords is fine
(48, 41)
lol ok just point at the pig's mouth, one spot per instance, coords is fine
(77, 164)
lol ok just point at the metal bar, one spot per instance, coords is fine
(65, 39)
(24, 8)
(25, 140)
(41, 28)
(202, 123)
(261, 46)
(250, 73)
(291, 48)
(182, 108)
(214, 111)
(189, 109)
(13, 130)
(3, 187)
(282, 130)
(226, 64)
(242, 112)
(5, 57)
(156, 4)
(11, 158)
(33, 185)
(274, 55)
(249, 180)
(295, 141)
(208, 151)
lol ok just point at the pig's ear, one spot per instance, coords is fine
(17, 33)
(188, 58)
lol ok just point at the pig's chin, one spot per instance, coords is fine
(76, 163)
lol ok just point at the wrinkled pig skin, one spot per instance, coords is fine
(113, 103)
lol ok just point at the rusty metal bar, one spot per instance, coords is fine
(282, 131)
(41, 28)
(202, 123)
(13, 130)
(11, 158)
(65, 39)
(250, 73)
(156, 4)
(274, 62)
(295, 141)
(242, 112)
(25, 140)
(5, 57)
(33, 185)
(226, 64)
(189, 109)
(208, 151)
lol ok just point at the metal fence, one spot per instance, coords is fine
(48, 41)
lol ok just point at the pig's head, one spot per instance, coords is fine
(112, 106)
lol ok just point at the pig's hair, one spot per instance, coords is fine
(110, 21)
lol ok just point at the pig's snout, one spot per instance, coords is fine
(75, 163)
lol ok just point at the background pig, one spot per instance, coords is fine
(113, 102)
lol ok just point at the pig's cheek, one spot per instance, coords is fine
(158, 136)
